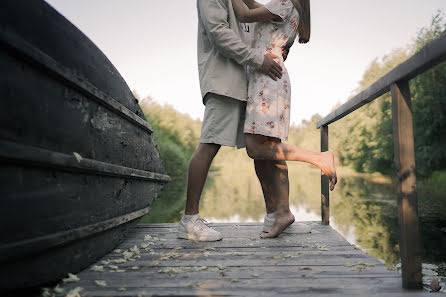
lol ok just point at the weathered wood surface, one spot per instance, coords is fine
(322, 263)
(403, 143)
(325, 191)
(429, 56)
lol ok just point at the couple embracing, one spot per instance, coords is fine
(246, 92)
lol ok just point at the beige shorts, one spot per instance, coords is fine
(223, 121)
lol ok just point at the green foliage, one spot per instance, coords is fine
(429, 105)
(365, 137)
(176, 136)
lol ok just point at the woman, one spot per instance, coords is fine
(267, 121)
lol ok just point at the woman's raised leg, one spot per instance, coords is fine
(261, 147)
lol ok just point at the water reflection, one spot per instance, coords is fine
(169, 206)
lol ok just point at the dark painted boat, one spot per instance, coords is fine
(79, 165)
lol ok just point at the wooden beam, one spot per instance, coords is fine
(31, 246)
(16, 153)
(406, 186)
(429, 56)
(325, 193)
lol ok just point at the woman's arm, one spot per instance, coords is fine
(245, 15)
(252, 4)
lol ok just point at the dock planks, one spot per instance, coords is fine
(321, 263)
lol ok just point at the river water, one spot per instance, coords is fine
(363, 209)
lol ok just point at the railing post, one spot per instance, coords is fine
(325, 196)
(403, 142)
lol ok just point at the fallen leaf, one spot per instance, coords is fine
(58, 290)
(74, 292)
(77, 156)
(97, 268)
(72, 278)
(47, 292)
(101, 283)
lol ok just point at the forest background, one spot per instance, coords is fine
(361, 141)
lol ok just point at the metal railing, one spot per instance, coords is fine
(397, 82)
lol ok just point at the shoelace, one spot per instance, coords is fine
(201, 223)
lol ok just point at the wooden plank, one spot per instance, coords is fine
(12, 152)
(83, 125)
(23, 248)
(248, 287)
(406, 185)
(216, 269)
(264, 272)
(325, 192)
(429, 56)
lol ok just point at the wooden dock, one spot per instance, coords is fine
(153, 262)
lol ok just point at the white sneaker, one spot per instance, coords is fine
(196, 229)
(294, 228)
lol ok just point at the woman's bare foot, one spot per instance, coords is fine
(328, 168)
(280, 224)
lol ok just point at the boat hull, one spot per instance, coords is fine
(79, 165)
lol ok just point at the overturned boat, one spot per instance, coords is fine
(79, 165)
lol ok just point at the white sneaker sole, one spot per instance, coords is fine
(184, 235)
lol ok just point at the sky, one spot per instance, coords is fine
(152, 43)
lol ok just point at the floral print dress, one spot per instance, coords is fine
(268, 106)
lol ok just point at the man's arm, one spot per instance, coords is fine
(214, 18)
(246, 15)
(252, 4)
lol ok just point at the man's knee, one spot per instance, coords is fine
(206, 150)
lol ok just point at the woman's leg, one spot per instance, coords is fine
(266, 175)
(281, 190)
(261, 147)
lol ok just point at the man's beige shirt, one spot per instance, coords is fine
(222, 52)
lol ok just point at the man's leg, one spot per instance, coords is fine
(191, 225)
(196, 177)
(220, 127)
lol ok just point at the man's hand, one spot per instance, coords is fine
(285, 51)
(271, 67)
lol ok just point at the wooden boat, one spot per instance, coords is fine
(79, 165)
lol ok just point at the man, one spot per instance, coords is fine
(222, 57)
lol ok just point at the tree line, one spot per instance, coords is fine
(363, 139)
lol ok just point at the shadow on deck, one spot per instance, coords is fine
(322, 263)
